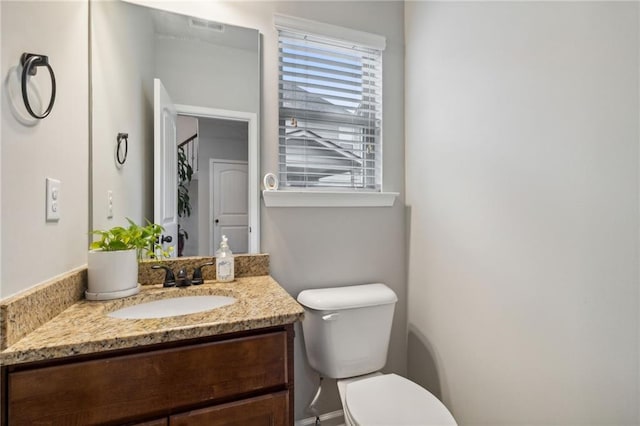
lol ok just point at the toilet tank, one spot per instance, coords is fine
(346, 329)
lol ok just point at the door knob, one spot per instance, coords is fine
(216, 221)
(166, 239)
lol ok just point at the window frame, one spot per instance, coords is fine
(327, 195)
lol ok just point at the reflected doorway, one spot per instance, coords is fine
(202, 142)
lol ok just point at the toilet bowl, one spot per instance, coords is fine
(390, 400)
(346, 336)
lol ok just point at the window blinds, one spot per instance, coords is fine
(330, 101)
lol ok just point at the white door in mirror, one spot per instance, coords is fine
(165, 185)
(229, 182)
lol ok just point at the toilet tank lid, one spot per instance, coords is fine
(357, 296)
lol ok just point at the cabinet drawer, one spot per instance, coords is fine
(266, 410)
(120, 388)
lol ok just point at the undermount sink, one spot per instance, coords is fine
(172, 307)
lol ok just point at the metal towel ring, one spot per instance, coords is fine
(30, 63)
(122, 137)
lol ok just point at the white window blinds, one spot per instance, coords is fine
(330, 100)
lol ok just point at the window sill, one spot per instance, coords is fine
(328, 199)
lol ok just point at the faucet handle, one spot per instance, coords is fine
(197, 274)
(169, 278)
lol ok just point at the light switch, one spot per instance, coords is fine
(53, 200)
(109, 204)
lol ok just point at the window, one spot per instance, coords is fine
(330, 107)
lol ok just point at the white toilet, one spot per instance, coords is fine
(346, 334)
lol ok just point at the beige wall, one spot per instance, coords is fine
(34, 250)
(522, 183)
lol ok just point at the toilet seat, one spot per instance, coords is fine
(389, 399)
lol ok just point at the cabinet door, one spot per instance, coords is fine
(266, 410)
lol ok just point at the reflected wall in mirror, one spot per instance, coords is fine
(211, 72)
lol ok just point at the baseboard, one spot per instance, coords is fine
(334, 418)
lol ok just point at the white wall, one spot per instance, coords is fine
(224, 139)
(522, 182)
(34, 250)
(122, 86)
(190, 223)
(186, 127)
(209, 75)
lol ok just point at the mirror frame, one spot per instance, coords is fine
(253, 163)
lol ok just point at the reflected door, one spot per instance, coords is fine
(230, 198)
(165, 166)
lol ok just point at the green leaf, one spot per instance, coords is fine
(144, 239)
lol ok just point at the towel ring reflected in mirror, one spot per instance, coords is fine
(121, 157)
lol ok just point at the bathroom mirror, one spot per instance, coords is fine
(211, 73)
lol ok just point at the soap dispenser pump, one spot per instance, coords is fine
(224, 262)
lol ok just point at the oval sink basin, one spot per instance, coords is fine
(172, 307)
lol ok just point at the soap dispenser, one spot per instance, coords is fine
(224, 262)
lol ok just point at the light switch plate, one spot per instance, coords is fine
(109, 204)
(53, 200)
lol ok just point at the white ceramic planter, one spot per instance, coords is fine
(112, 274)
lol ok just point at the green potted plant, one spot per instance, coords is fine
(113, 259)
(185, 174)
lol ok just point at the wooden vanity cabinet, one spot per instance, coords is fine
(236, 379)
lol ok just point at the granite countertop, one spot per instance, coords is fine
(85, 328)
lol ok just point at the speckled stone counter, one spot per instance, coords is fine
(26, 311)
(85, 328)
(246, 265)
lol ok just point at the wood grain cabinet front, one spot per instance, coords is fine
(266, 410)
(240, 380)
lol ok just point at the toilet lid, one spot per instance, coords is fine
(393, 400)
